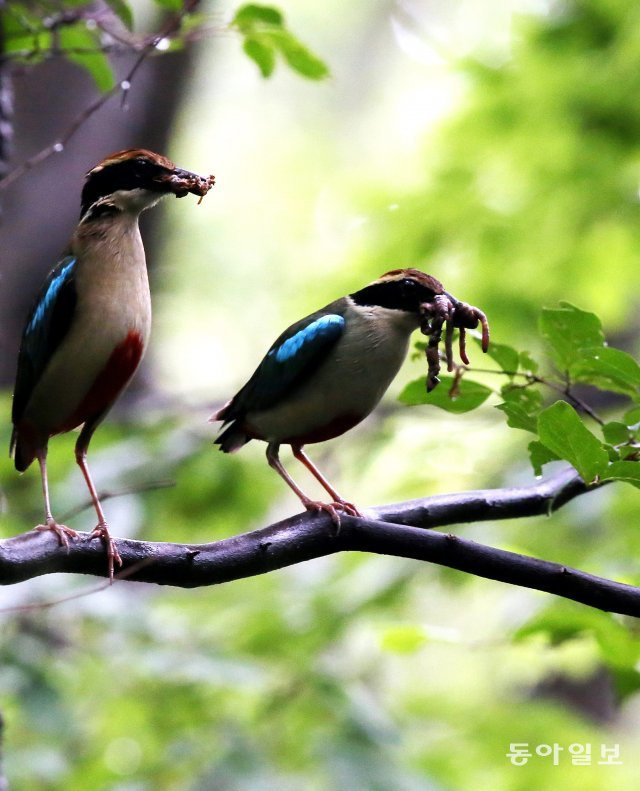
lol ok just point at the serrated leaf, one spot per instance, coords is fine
(540, 455)
(561, 430)
(471, 395)
(262, 54)
(123, 11)
(566, 330)
(608, 369)
(247, 17)
(518, 417)
(627, 471)
(298, 57)
(615, 433)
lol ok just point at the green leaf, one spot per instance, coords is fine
(262, 53)
(123, 11)
(265, 34)
(562, 431)
(527, 363)
(539, 455)
(619, 647)
(518, 417)
(403, 639)
(251, 15)
(471, 395)
(76, 37)
(627, 471)
(170, 5)
(567, 330)
(298, 57)
(607, 369)
(506, 356)
(616, 433)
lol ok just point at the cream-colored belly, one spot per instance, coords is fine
(346, 386)
(112, 301)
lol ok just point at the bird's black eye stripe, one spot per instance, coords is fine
(406, 294)
(137, 173)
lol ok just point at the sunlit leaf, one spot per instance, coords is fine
(406, 639)
(249, 16)
(567, 330)
(506, 356)
(608, 369)
(262, 53)
(562, 431)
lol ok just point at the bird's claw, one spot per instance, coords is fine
(101, 531)
(62, 532)
(333, 509)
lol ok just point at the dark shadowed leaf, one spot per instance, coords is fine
(539, 455)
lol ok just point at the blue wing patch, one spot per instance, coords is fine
(324, 327)
(46, 301)
(297, 351)
(48, 323)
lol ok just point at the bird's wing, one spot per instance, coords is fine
(47, 325)
(299, 350)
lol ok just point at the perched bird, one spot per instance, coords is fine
(327, 372)
(89, 326)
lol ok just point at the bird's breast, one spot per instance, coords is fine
(343, 389)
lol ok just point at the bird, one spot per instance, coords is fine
(326, 373)
(89, 326)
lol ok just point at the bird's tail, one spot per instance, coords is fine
(21, 451)
(232, 438)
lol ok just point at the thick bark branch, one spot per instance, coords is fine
(390, 530)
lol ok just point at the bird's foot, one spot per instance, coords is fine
(333, 510)
(62, 532)
(101, 531)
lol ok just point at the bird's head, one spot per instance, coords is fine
(134, 179)
(404, 290)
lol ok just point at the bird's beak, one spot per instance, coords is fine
(182, 182)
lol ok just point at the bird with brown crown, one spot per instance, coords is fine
(328, 371)
(89, 327)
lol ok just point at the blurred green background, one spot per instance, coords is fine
(493, 145)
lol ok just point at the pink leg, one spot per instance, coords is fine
(339, 502)
(101, 530)
(62, 531)
(307, 502)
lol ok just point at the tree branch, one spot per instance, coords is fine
(390, 530)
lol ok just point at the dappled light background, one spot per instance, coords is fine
(494, 145)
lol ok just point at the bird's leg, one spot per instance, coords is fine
(338, 502)
(62, 531)
(101, 530)
(307, 502)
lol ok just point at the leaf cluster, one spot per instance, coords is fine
(577, 360)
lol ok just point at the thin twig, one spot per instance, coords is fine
(122, 87)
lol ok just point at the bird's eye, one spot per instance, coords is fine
(409, 283)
